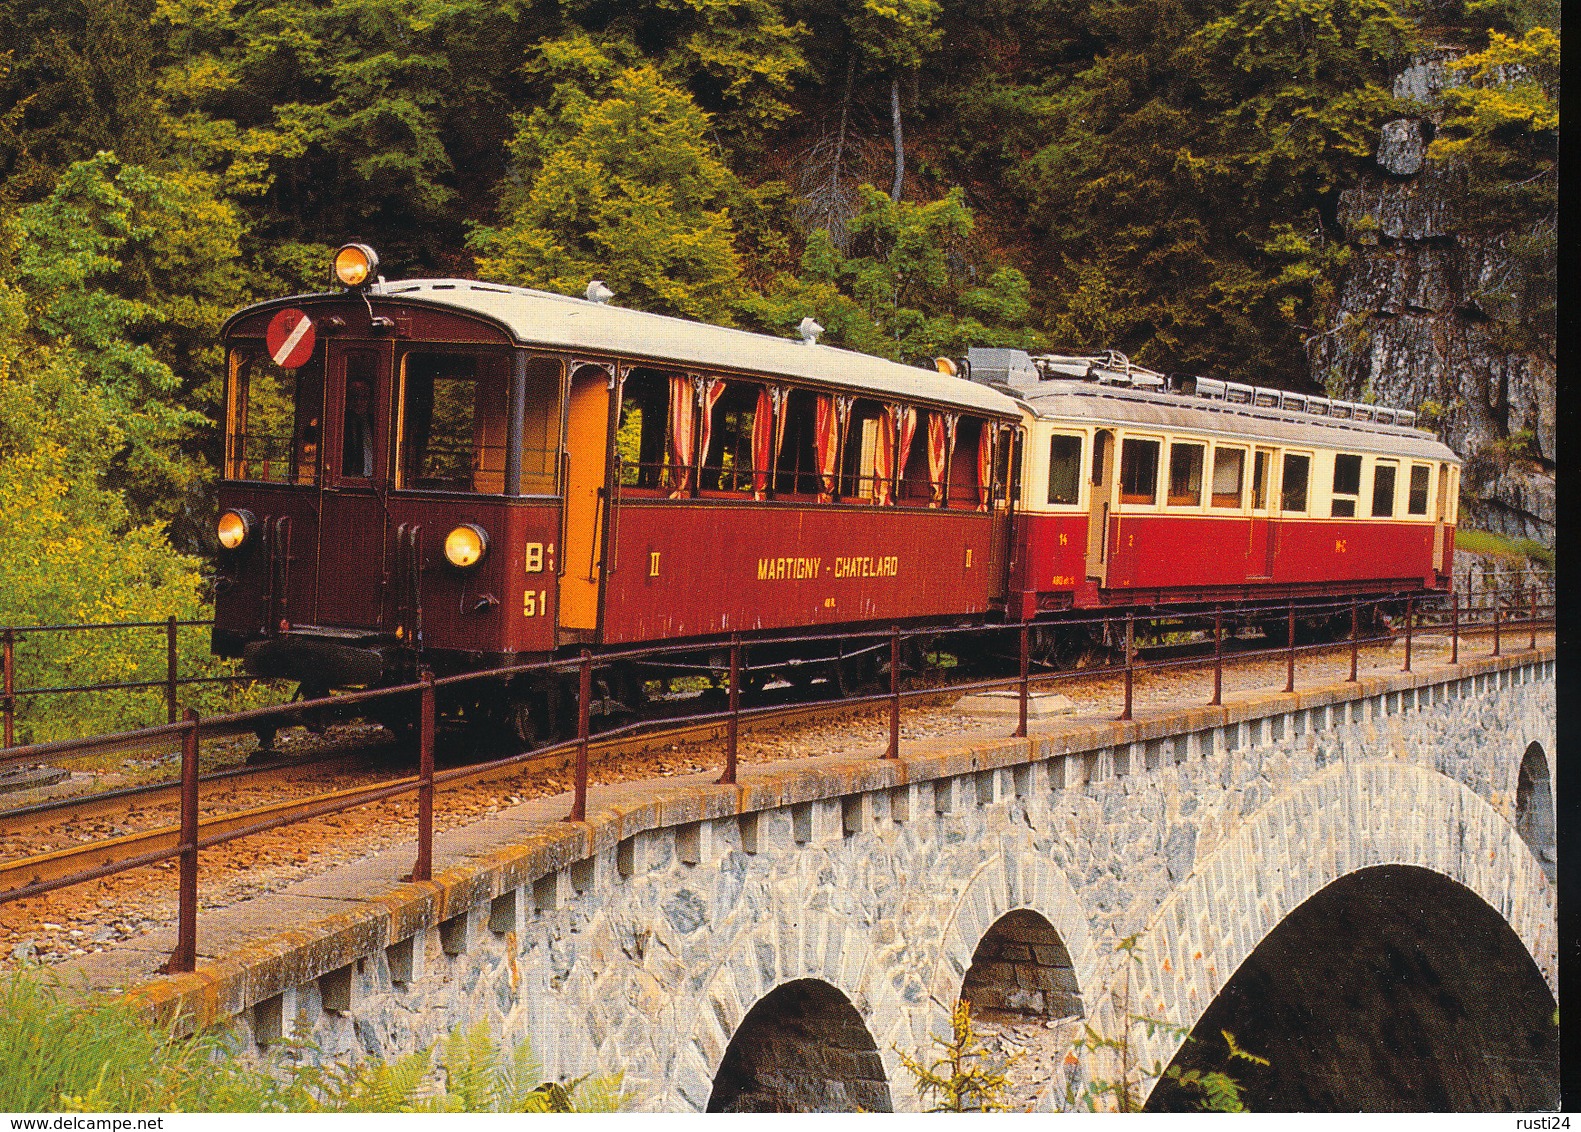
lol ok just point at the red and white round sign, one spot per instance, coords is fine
(290, 338)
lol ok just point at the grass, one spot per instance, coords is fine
(102, 1056)
(1514, 552)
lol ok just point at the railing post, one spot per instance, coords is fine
(424, 867)
(1495, 622)
(584, 720)
(1290, 650)
(733, 727)
(185, 957)
(9, 687)
(170, 669)
(894, 694)
(1355, 634)
(1532, 644)
(1026, 669)
(1130, 650)
(1454, 627)
(1410, 612)
(1218, 656)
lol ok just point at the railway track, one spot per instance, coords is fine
(58, 863)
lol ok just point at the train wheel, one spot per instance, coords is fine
(855, 675)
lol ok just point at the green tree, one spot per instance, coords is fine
(132, 271)
(615, 179)
(1180, 166)
(378, 119)
(907, 287)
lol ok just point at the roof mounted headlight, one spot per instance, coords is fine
(235, 528)
(356, 265)
(466, 545)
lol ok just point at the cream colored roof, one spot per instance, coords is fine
(559, 322)
(1135, 409)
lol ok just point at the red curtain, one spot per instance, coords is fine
(781, 397)
(827, 439)
(908, 432)
(985, 464)
(681, 436)
(938, 456)
(763, 446)
(713, 388)
(884, 457)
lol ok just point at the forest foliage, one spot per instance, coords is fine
(918, 175)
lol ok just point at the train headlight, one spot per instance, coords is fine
(356, 264)
(234, 528)
(466, 545)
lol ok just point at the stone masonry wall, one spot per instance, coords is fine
(639, 943)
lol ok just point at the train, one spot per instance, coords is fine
(455, 475)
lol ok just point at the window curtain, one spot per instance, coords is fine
(941, 446)
(985, 464)
(682, 415)
(827, 441)
(764, 450)
(908, 432)
(891, 456)
(884, 457)
(781, 396)
(710, 390)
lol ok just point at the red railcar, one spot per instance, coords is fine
(1139, 490)
(453, 474)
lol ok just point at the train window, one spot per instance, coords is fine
(1260, 466)
(641, 432)
(1416, 501)
(1064, 468)
(860, 468)
(541, 427)
(728, 463)
(1229, 465)
(273, 433)
(796, 466)
(971, 464)
(452, 422)
(358, 450)
(915, 484)
(1138, 471)
(1383, 490)
(1185, 474)
(1100, 454)
(1293, 484)
(1347, 485)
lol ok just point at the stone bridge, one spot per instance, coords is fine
(1355, 881)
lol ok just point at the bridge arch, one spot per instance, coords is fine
(801, 1048)
(1349, 817)
(1021, 966)
(1022, 884)
(1393, 988)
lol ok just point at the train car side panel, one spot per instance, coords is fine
(682, 569)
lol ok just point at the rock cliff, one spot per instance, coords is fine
(1430, 312)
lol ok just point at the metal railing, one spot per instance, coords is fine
(171, 682)
(1497, 612)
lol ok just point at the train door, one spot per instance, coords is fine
(1101, 482)
(587, 438)
(1440, 517)
(1260, 544)
(352, 526)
